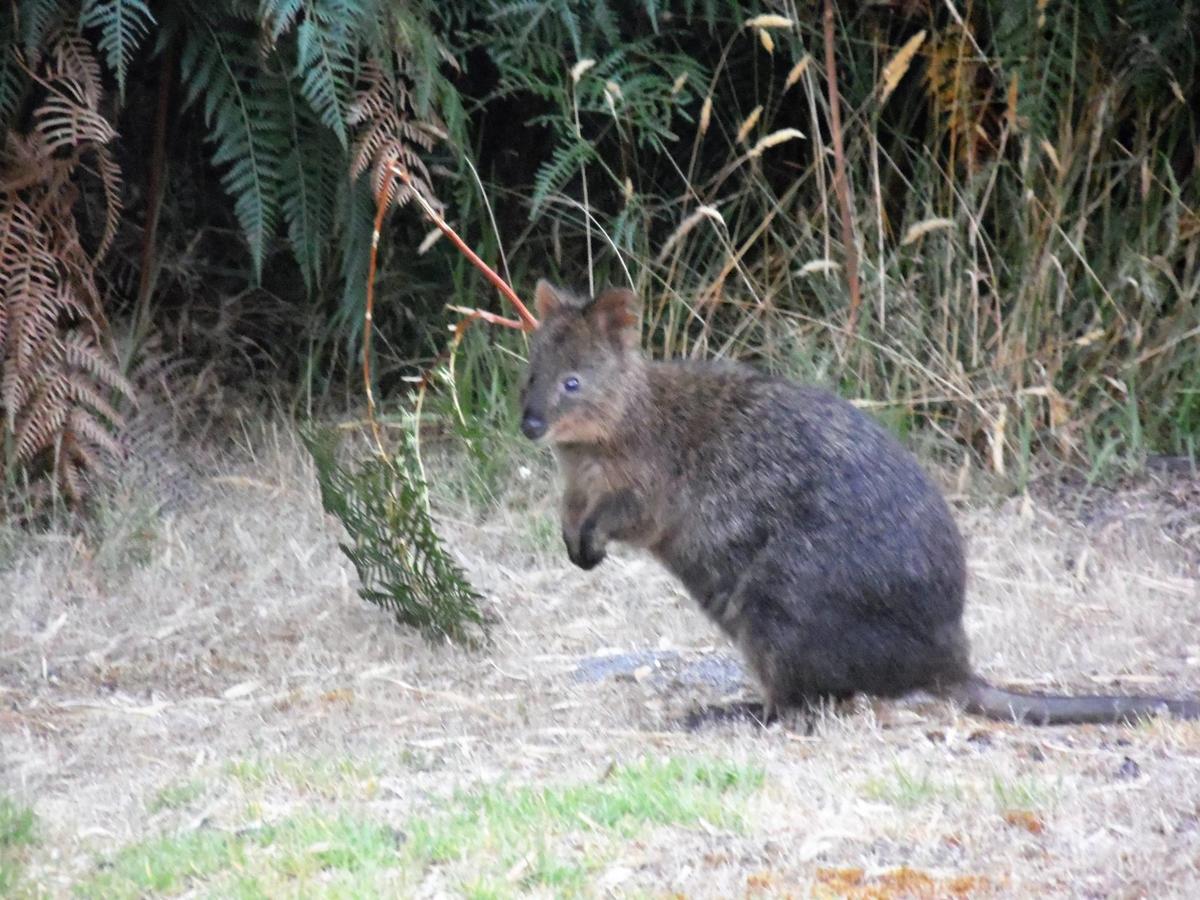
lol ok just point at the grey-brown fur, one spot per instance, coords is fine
(799, 525)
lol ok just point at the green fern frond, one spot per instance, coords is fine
(278, 16)
(314, 174)
(326, 64)
(38, 18)
(562, 166)
(247, 110)
(1041, 46)
(401, 562)
(355, 225)
(122, 24)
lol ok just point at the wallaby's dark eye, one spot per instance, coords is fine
(570, 384)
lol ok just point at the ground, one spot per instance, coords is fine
(195, 701)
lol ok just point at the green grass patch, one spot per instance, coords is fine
(177, 796)
(542, 533)
(325, 777)
(1027, 794)
(17, 833)
(262, 862)
(494, 841)
(514, 830)
(908, 790)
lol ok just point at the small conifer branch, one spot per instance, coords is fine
(840, 178)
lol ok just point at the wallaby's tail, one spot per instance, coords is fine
(981, 698)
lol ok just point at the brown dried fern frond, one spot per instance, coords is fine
(60, 382)
(389, 131)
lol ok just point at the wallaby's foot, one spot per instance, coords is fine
(739, 712)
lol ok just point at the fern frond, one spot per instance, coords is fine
(247, 112)
(71, 57)
(13, 79)
(66, 119)
(563, 165)
(110, 179)
(326, 63)
(92, 432)
(38, 427)
(123, 24)
(81, 352)
(38, 18)
(391, 132)
(278, 16)
(58, 382)
(315, 171)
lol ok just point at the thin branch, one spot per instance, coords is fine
(530, 322)
(527, 322)
(381, 205)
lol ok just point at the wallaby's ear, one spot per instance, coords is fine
(546, 299)
(615, 312)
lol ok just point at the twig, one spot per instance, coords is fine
(489, 317)
(527, 321)
(530, 323)
(840, 178)
(381, 205)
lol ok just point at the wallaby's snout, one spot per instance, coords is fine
(533, 426)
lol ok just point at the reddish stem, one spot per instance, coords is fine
(527, 318)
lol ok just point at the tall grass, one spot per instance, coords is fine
(1024, 206)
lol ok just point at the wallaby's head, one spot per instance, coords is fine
(584, 366)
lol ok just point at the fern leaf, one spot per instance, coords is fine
(326, 62)
(110, 178)
(564, 164)
(122, 24)
(38, 18)
(42, 421)
(72, 58)
(247, 114)
(13, 79)
(278, 16)
(58, 384)
(314, 172)
(67, 120)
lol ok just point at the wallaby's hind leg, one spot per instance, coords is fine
(808, 638)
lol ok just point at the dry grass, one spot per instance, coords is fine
(201, 675)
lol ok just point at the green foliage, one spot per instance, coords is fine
(269, 861)
(1057, 139)
(394, 547)
(17, 826)
(493, 829)
(247, 111)
(123, 24)
(491, 841)
(624, 103)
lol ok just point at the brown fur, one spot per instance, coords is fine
(797, 523)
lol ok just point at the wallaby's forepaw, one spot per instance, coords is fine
(583, 550)
(586, 557)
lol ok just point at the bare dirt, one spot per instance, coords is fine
(227, 628)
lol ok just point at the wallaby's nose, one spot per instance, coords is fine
(532, 426)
